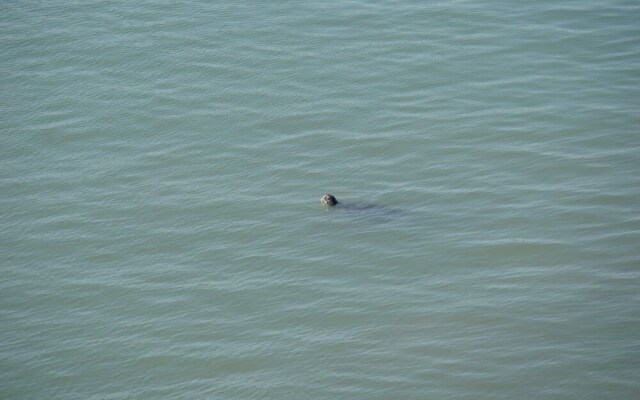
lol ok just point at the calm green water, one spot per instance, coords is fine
(161, 169)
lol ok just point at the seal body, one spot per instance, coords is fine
(329, 200)
(363, 211)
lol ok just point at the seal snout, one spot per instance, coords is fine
(329, 200)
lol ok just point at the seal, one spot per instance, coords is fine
(367, 211)
(329, 200)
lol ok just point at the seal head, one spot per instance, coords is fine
(329, 200)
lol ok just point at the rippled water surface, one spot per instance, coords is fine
(161, 169)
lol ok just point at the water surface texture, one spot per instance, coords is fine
(162, 163)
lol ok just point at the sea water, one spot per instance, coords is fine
(162, 165)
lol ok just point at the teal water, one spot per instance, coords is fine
(161, 170)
